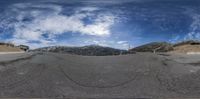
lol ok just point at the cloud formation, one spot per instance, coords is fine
(194, 27)
(104, 22)
(43, 22)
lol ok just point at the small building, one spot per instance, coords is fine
(23, 47)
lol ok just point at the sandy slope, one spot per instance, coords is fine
(186, 48)
(4, 48)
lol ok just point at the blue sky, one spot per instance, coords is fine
(113, 23)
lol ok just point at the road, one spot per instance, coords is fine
(13, 56)
(141, 75)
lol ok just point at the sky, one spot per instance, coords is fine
(113, 23)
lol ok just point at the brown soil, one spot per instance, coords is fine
(4, 48)
(186, 48)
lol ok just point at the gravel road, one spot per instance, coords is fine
(141, 75)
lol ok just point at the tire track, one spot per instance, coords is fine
(35, 71)
(90, 86)
(83, 85)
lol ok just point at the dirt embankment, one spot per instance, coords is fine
(186, 48)
(5, 48)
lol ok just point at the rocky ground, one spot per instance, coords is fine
(140, 75)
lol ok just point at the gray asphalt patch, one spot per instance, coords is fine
(142, 75)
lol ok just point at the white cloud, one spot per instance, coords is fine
(59, 24)
(122, 42)
(47, 19)
(111, 2)
(194, 27)
(90, 9)
(175, 39)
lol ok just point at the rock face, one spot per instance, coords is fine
(91, 50)
(154, 47)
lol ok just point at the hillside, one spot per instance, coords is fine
(180, 47)
(189, 42)
(4, 48)
(91, 50)
(154, 47)
(95, 50)
(187, 46)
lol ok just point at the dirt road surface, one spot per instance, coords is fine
(141, 75)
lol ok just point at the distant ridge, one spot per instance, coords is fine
(90, 50)
(154, 47)
(96, 50)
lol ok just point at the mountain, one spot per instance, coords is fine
(95, 50)
(153, 47)
(91, 50)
